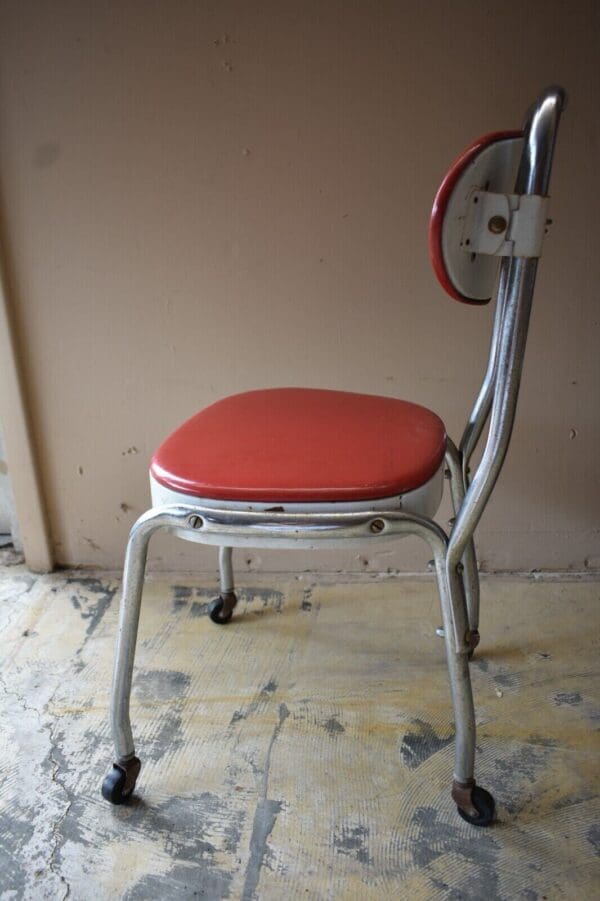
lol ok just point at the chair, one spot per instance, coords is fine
(308, 473)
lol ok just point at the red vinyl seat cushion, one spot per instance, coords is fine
(302, 445)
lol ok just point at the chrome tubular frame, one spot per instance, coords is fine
(481, 409)
(227, 528)
(502, 381)
(469, 559)
(454, 554)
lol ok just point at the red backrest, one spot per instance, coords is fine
(490, 163)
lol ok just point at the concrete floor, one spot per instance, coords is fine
(304, 751)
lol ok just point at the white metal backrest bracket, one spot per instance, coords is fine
(505, 225)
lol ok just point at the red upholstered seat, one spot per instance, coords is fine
(302, 445)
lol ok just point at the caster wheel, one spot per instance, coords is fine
(473, 642)
(221, 609)
(485, 806)
(118, 785)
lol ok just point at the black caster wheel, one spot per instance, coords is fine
(221, 609)
(485, 806)
(118, 785)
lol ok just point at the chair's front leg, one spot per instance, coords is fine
(475, 804)
(119, 783)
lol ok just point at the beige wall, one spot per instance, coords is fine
(200, 198)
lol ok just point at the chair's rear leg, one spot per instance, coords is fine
(119, 783)
(221, 609)
(470, 574)
(470, 578)
(475, 804)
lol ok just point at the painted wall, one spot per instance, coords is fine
(202, 198)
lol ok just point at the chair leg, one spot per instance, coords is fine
(475, 804)
(221, 609)
(470, 575)
(470, 578)
(119, 783)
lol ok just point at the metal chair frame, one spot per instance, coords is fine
(453, 552)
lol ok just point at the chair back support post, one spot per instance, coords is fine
(483, 404)
(500, 388)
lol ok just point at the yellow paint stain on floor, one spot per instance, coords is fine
(303, 751)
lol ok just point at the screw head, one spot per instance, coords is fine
(196, 522)
(497, 225)
(377, 525)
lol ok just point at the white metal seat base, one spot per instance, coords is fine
(423, 501)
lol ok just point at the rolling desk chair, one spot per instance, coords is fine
(320, 468)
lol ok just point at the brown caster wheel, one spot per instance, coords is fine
(474, 640)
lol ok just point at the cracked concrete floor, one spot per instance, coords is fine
(303, 751)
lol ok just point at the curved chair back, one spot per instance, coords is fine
(488, 164)
(486, 233)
